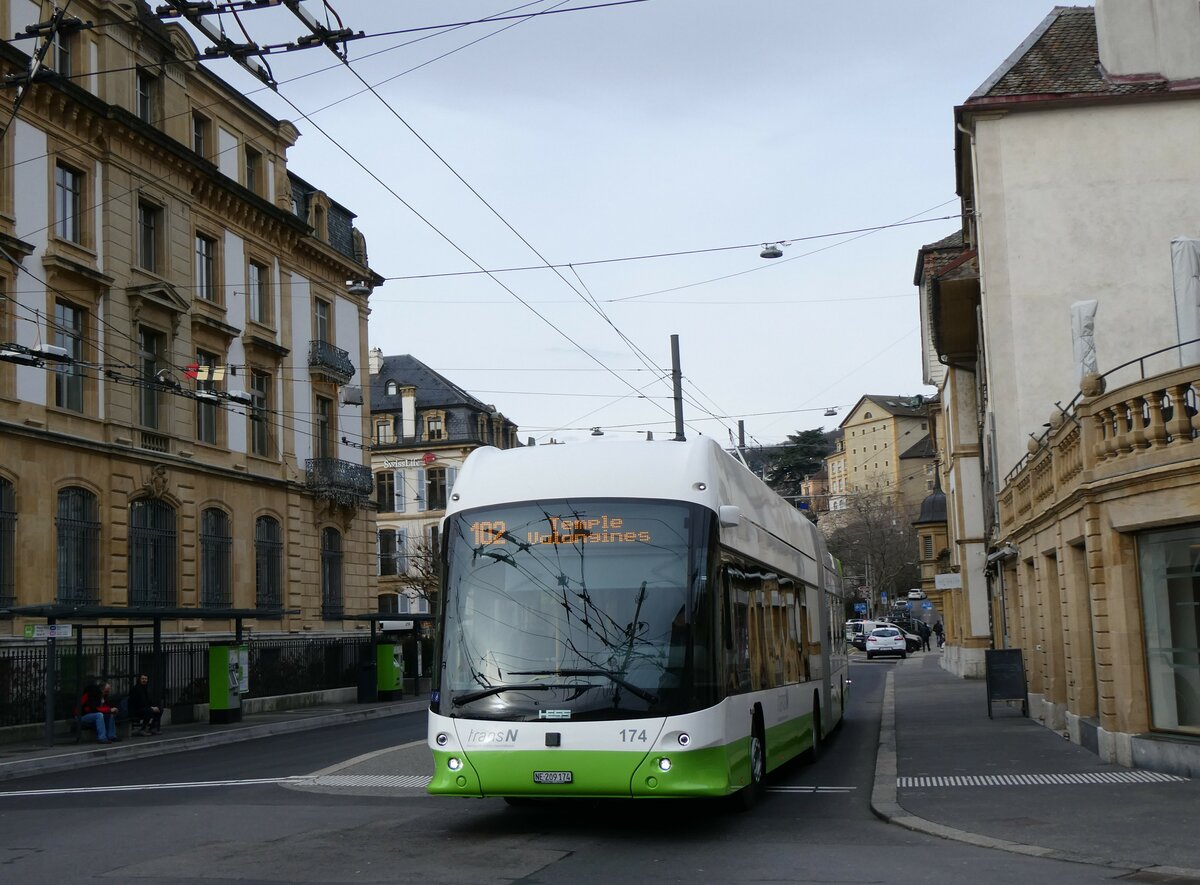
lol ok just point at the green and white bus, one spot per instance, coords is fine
(629, 619)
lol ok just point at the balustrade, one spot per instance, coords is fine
(1151, 418)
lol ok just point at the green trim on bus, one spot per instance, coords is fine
(712, 771)
(594, 773)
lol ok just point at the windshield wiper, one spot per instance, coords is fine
(461, 699)
(648, 697)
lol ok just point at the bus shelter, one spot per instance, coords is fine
(83, 618)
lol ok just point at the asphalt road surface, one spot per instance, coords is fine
(346, 804)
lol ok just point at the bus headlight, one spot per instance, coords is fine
(454, 763)
(442, 739)
(684, 740)
(664, 764)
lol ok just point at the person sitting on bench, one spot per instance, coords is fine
(96, 710)
(145, 712)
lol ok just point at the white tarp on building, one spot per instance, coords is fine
(1185, 271)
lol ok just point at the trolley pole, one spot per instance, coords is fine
(677, 388)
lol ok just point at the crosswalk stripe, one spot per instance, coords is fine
(1032, 780)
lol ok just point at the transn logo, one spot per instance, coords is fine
(554, 714)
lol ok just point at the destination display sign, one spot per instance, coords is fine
(605, 528)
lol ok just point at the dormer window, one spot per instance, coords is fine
(391, 388)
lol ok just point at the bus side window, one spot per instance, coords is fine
(737, 655)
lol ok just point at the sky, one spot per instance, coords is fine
(588, 139)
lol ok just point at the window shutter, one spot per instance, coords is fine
(451, 476)
(379, 552)
(422, 503)
(401, 551)
(400, 491)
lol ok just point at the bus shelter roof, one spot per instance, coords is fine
(64, 610)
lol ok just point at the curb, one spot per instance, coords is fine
(84, 758)
(885, 805)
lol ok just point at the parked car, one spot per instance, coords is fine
(886, 641)
(916, 594)
(908, 627)
(857, 630)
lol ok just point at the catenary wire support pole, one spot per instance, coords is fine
(677, 388)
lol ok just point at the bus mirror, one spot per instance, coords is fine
(729, 515)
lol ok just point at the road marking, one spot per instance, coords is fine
(135, 788)
(810, 789)
(366, 756)
(1029, 780)
(405, 781)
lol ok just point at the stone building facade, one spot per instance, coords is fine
(180, 434)
(1069, 321)
(423, 428)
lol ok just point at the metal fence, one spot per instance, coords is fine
(278, 666)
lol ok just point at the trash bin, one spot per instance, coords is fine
(368, 687)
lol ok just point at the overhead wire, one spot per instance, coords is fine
(436, 229)
(588, 298)
(862, 231)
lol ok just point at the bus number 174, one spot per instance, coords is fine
(629, 735)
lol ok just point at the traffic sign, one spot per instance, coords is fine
(860, 607)
(47, 631)
(927, 604)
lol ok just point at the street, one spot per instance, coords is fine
(347, 804)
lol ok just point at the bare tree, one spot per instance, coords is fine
(875, 540)
(423, 574)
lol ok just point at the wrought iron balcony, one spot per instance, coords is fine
(341, 481)
(330, 362)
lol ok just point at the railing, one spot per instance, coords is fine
(330, 360)
(1148, 423)
(155, 442)
(342, 481)
(405, 443)
(286, 665)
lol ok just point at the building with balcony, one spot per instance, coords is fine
(177, 437)
(1067, 324)
(423, 427)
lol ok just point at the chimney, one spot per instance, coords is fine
(1149, 38)
(375, 360)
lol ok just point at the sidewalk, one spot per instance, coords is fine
(23, 759)
(946, 769)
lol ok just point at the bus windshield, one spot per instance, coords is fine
(570, 609)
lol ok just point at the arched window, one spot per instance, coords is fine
(391, 388)
(152, 553)
(268, 562)
(331, 574)
(8, 543)
(216, 572)
(77, 526)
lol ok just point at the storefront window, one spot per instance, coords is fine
(1169, 567)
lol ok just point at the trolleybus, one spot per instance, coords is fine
(628, 619)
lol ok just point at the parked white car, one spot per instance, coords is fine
(886, 641)
(916, 594)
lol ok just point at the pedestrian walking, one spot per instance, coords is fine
(924, 632)
(941, 633)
